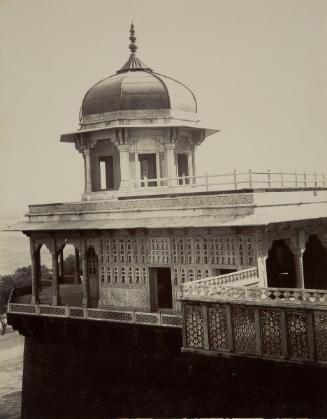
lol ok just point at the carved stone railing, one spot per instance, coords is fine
(236, 181)
(202, 287)
(269, 296)
(118, 316)
(280, 324)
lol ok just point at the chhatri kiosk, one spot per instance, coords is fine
(232, 264)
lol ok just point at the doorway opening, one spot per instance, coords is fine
(106, 173)
(161, 295)
(182, 168)
(280, 266)
(315, 264)
(148, 167)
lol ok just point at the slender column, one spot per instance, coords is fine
(171, 168)
(77, 272)
(35, 286)
(262, 256)
(262, 270)
(56, 300)
(124, 166)
(298, 256)
(297, 247)
(88, 172)
(38, 267)
(85, 281)
(61, 265)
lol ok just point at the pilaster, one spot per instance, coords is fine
(297, 246)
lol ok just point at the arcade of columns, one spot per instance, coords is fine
(296, 244)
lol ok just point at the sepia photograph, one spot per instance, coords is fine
(163, 209)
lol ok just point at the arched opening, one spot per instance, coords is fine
(280, 266)
(315, 264)
(93, 276)
(67, 262)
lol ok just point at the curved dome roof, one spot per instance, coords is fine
(136, 87)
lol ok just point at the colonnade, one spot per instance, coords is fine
(297, 245)
(55, 248)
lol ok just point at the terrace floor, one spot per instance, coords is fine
(71, 294)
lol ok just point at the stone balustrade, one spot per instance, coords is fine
(287, 325)
(120, 316)
(204, 287)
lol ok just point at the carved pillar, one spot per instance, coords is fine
(35, 282)
(77, 279)
(297, 247)
(124, 166)
(85, 300)
(88, 170)
(61, 265)
(56, 300)
(38, 267)
(171, 168)
(262, 256)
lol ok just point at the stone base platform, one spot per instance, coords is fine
(82, 369)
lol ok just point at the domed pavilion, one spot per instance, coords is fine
(137, 126)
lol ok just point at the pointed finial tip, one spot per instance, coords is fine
(132, 38)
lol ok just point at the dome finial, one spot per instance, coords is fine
(132, 38)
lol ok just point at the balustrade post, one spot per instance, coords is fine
(35, 286)
(207, 181)
(269, 178)
(205, 327)
(295, 179)
(310, 332)
(305, 179)
(282, 179)
(324, 179)
(235, 179)
(315, 177)
(257, 332)
(250, 179)
(229, 324)
(283, 329)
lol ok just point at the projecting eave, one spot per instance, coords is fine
(72, 136)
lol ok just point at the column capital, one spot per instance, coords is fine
(297, 243)
(123, 147)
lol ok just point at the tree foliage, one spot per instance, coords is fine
(22, 277)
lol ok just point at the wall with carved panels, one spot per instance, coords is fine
(124, 262)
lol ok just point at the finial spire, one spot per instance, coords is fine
(132, 38)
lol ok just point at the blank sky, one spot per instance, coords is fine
(258, 69)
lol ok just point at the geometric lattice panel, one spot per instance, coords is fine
(244, 330)
(193, 326)
(298, 345)
(320, 329)
(271, 333)
(217, 326)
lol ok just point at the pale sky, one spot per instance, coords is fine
(257, 67)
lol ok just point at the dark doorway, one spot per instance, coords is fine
(314, 264)
(182, 167)
(93, 274)
(280, 266)
(160, 289)
(106, 173)
(148, 168)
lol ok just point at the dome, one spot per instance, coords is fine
(137, 87)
